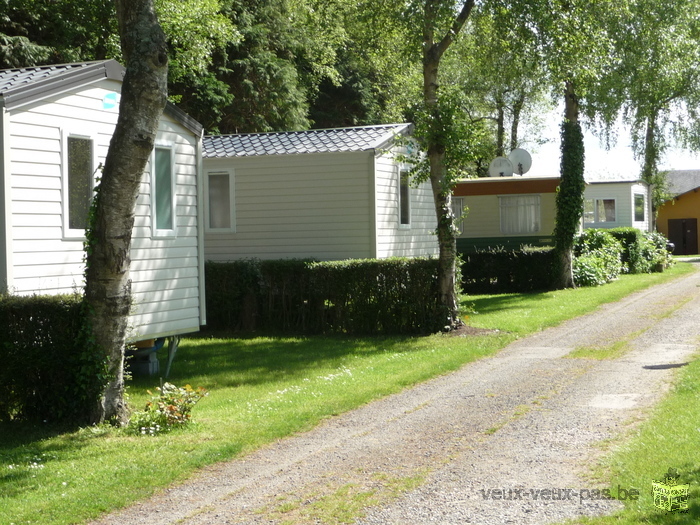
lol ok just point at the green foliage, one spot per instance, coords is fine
(569, 198)
(50, 369)
(507, 271)
(171, 407)
(355, 296)
(597, 258)
(642, 252)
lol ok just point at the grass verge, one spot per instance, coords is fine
(668, 439)
(261, 389)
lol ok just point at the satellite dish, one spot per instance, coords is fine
(500, 167)
(521, 159)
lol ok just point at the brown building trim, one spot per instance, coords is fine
(496, 186)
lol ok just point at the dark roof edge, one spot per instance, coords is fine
(71, 79)
(183, 118)
(403, 129)
(48, 87)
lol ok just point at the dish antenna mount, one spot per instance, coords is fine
(500, 167)
(521, 160)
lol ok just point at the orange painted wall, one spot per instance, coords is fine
(685, 206)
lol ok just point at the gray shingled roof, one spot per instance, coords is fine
(362, 138)
(682, 181)
(30, 84)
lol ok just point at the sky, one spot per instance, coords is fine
(601, 164)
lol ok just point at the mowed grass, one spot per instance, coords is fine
(260, 389)
(670, 438)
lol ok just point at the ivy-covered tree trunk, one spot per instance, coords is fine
(569, 198)
(107, 283)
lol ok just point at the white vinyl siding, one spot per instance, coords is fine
(296, 206)
(221, 216)
(520, 214)
(167, 284)
(392, 239)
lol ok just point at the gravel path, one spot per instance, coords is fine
(481, 445)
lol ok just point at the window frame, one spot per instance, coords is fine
(458, 212)
(643, 207)
(232, 200)
(538, 217)
(596, 216)
(67, 134)
(401, 198)
(163, 233)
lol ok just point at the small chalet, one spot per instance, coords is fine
(56, 123)
(678, 217)
(328, 194)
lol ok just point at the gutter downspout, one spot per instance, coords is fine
(200, 231)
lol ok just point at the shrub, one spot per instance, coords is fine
(498, 270)
(643, 252)
(597, 258)
(363, 296)
(50, 370)
(170, 408)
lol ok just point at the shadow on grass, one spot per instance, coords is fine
(231, 361)
(504, 302)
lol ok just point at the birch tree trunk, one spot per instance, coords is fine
(440, 181)
(107, 286)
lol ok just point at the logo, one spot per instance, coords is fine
(669, 495)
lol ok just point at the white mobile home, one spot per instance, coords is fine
(325, 194)
(56, 123)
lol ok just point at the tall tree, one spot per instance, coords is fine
(575, 46)
(654, 82)
(107, 286)
(440, 28)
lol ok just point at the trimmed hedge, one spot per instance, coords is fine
(508, 271)
(50, 371)
(397, 295)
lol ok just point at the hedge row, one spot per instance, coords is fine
(366, 296)
(49, 370)
(507, 271)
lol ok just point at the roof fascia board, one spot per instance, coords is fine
(52, 86)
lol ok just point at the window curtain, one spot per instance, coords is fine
(520, 214)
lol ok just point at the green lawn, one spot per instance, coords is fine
(261, 389)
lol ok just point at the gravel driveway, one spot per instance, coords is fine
(507, 439)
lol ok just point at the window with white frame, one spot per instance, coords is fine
(458, 212)
(404, 198)
(599, 210)
(520, 214)
(639, 207)
(78, 181)
(163, 192)
(220, 201)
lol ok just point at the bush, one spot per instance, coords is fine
(50, 369)
(171, 407)
(597, 258)
(397, 295)
(498, 270)
(643, 252)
